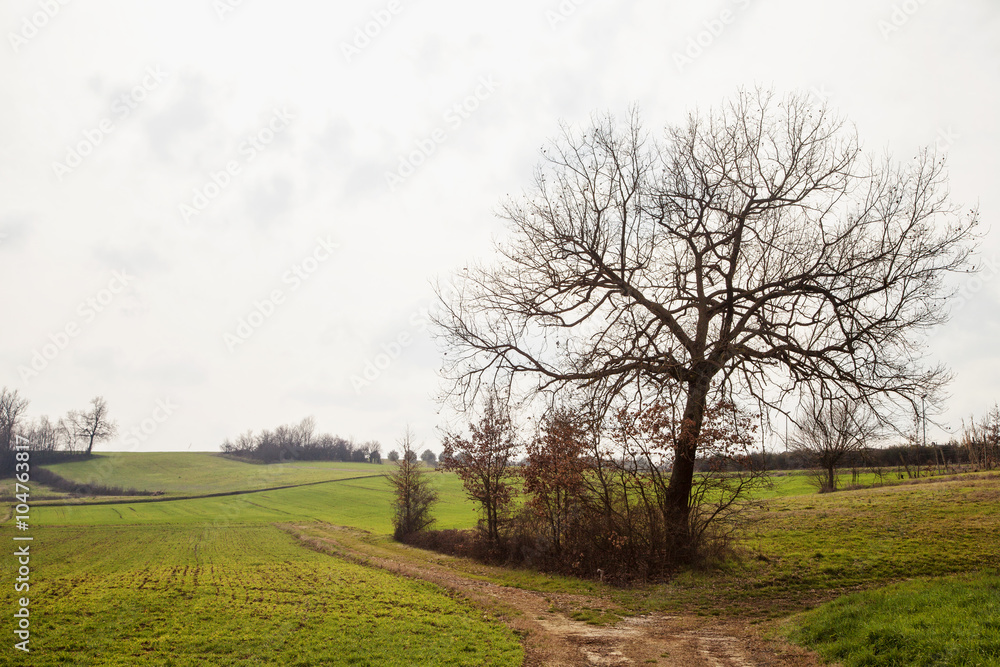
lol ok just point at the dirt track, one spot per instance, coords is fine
(551, 638)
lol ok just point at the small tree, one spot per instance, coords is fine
(828, 431)
(414, 495)
(93, 425)
(373, 450)
(484, 462)
(393, 456)
(429, 457)
(43, 435)
(554, 472)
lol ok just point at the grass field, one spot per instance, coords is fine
(249, 595)
(202, 577)
(198, 473)
(949, 621)
(358, 503)
(799, 551)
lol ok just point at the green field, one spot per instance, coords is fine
(249, 595)
(199, 473)
(200, 579)
(358, 503)
(950, 621)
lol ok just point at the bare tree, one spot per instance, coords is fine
(93, 425)
(373, 451)
(305, 431)
(43, 435)
(12, 407)
(828, 431)
(414, 495)
(981, 440)
(752, 250)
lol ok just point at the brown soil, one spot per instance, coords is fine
(552, 638)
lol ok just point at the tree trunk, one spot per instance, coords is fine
(677, 500)
(91, 445)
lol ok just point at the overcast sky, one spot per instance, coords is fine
(232, 208)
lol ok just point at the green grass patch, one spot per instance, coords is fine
(592, 616)
(952, 621)
(251, 595)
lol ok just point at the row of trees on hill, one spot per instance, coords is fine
(75, 433)
(300, 442)
(409, 454)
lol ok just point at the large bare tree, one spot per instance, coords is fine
(754, 248)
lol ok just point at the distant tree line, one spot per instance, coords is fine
(300, 442)
(976, 448)
(71, 436)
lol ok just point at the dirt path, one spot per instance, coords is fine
(552, 638)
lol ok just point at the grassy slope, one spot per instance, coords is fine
(950, 621)
(194, 473)
(361, 503)
(803, 550)
(249, 595)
